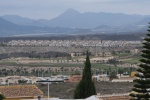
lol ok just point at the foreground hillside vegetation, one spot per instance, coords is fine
(66, 90)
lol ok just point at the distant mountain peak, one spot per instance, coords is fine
(71, 11)
(16, 19)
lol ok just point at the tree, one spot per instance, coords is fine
(113, 75)
(22, 81)
(86, 87)
(113, 61)
(120, 71)
(141, 90)
(2, 97)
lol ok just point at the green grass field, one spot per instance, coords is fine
(46, 64)
(132, 60)
(122, 54)
(15, 62)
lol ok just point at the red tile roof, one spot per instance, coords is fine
(20, 91)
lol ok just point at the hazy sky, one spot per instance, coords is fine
(48, 9)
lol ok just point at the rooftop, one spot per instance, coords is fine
(20, 91)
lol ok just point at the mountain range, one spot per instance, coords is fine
(72, 21)
(8, 28)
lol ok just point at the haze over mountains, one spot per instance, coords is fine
(72, 21)
(8, 28)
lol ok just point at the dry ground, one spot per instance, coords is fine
(66, 90)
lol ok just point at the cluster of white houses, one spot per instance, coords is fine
(62, 78)
(30, 79)
(68, 43)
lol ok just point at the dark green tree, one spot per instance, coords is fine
(2, 97)
(141, 90)
(120, 71)
(22, 81)
(86, 87)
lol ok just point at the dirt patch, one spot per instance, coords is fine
(66, 90)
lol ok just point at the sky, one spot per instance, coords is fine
(48, 9)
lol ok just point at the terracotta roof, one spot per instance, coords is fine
(124, 96)
(75, 78)
(129, 78)
(20, 91)
(116, 98)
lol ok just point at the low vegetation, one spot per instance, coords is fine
(66, 90)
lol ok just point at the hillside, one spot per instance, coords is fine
(66, 90)
(74, 19)
(74, 22)
(8, 28)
